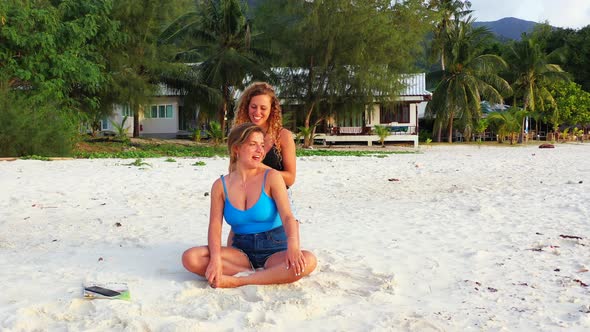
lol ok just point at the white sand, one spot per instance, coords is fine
(467, 239)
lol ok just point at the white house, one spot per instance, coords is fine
(401, 117)
(409, 108)
(160, 117)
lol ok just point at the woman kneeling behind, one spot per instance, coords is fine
(253, 200)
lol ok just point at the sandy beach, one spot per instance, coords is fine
(452, 238)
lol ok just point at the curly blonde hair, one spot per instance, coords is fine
(275, 119)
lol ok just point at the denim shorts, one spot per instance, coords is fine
(260, 246)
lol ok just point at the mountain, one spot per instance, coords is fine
(508, 27)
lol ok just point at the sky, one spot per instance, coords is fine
(573, 14)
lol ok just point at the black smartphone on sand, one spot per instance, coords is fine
(102, 291)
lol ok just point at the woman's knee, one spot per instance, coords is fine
(310, 262)
(193, 259)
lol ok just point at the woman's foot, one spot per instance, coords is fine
(227, 282)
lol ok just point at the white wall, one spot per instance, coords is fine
(117, 118)
(422, 109)
(372, 115)
(162, 126)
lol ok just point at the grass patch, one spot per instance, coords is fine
(35, 157)
(145, 150)
(353, 153)
(141, 149)
(138, 162)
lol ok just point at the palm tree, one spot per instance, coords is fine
(468, 78)
(506, 123)
(532, 76)
(219, 40)
(445, 12)
(382, 132)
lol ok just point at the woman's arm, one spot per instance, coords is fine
(288, 155)
(215, 267)
(294, 258)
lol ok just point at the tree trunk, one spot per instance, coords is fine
(450, 138)
(525, 108)
(521, 135)
(136, 126)
(307, 139)
(222, 117)
(223, 110)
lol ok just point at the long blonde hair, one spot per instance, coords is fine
(275, 119)
(237, 136)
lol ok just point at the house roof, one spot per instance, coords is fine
(486, 107)
(415, 85)
(165, 90)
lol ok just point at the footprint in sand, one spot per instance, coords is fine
(345, 276)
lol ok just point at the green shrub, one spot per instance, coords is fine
(382, 132)
(138, 162)
(121, 129)
(215, 132)
(424, 135)
(27, 129)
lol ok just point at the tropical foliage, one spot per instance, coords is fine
(334, 52)
(382, 132)
(532, 76)
(445, 13)
(139, 64)
(469, 78)
(217, 36)
(572, 105)
(506, 123)
(28, 128)
(52, 50)
(215, 132)
(66, 62)
(52, 70)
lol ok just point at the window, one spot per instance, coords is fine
(399, 112)
(126, 110)
(104, 124)
(385, 114)
(161, 111)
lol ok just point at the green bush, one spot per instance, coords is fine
(26, 129)
(215, 132)
(382, 132)
(424, 134)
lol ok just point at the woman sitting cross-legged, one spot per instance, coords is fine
(254, 201)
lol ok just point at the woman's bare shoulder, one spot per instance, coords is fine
(217, 186)
(275, 176)
(285, 132)
(286, 137)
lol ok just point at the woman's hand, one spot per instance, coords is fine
(214, 272)
(295, 260)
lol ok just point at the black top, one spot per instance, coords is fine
(273, 159)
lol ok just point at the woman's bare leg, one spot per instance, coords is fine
(196, 260)
(274, 272)
(230, 238)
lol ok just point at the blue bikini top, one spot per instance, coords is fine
(261, 217)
